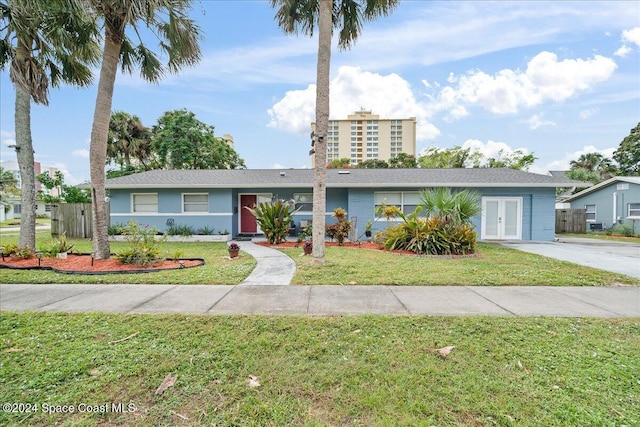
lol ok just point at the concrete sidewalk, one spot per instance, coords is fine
(272, 266)
(623, 301)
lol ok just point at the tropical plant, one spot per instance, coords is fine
(274, 219)
(44, 43)
(296, 16)
(178, 36)
(339, 230)
(206, 230)
(66, 193)
(597, 167)
(460, 206)
(180, 230)
(129, 141)
(143, 248)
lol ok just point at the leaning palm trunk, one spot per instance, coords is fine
(322, 125)
(98, 149)
(24, 152)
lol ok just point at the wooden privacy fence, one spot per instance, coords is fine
(571, 220)
(74, 219)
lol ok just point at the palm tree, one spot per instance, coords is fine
(459, 206)
(178, 37)
(45, 43)
(296, 16)
(600, 167)
(128, 138)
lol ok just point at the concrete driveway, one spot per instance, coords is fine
(617, 257)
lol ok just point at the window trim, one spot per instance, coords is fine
(296, 199)
(629, 209)
(133, 203)
(594, 212)
(194, 212)
(402, 202)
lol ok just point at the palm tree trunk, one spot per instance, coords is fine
(322, 126)
(98, 149)
(24, 153)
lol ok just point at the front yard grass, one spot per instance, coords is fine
(495, 265)
(360, 371)
(217, 270)
(602, 236)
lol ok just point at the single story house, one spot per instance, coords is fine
(614, 201)
(516, 205)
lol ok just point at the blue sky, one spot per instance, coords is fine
(554, 78)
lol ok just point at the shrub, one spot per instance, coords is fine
(144, 249)
(115, 229)
(274, 219)
(439, 235)
(55, 247)
(206, 231)
(340, 230)
(9, 249)
(623, 229)
(180, 230)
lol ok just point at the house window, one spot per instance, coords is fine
(591, 212)
(195, 202)
(47, 208)
(17, 208)
(634, 210)
(304, 201)
(407, 201)
(144, 202)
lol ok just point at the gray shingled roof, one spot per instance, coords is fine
(337, 178)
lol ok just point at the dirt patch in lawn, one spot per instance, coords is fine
(83, 264)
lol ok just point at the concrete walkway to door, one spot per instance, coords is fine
(272, 268)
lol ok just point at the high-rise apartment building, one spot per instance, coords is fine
(365, 136)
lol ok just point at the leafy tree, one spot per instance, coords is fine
(403, 160)
(628, 153)
(373, 164)
(178, 37)
(296, 16)
(516, 160)
(592, 167)
(44, 43)
(183, 142)
(8, 183)
(128, 139)
(67, 193)
(343, 163)
(444, 158)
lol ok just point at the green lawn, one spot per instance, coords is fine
(356, 371)
(495, 265)
(602, 236)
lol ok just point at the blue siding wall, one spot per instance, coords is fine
(538, 208)
(603, 199)
(170, 207)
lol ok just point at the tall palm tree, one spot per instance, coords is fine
(178, 37)
(128, 139)
(296, 16)
(601, 167)
(45, 43)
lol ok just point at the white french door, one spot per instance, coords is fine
(501, 218)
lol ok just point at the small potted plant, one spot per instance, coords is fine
(234, 249)
(367, 228)
(307, 247)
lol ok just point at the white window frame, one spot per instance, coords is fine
(633, 212)
(307, 196)
(590, 212)
(402, 205)
(134, 204)
(205, 205)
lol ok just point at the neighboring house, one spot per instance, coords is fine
(616, 200)
(516, 205)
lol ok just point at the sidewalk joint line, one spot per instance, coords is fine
(492, 302)
(400, 301)
(221, 298)
(150, 299)
(587, 303)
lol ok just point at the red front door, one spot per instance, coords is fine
(248, 222)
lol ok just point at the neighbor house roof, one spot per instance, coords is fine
(629, 179)
(337, 178)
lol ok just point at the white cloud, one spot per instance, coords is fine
(389, 96)
(7, 137)
(81, 153)
(537, 120)
(506, 92)
(631, 36)
(585, 114)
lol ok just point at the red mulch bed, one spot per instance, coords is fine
(82, 264)
(362, 245)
